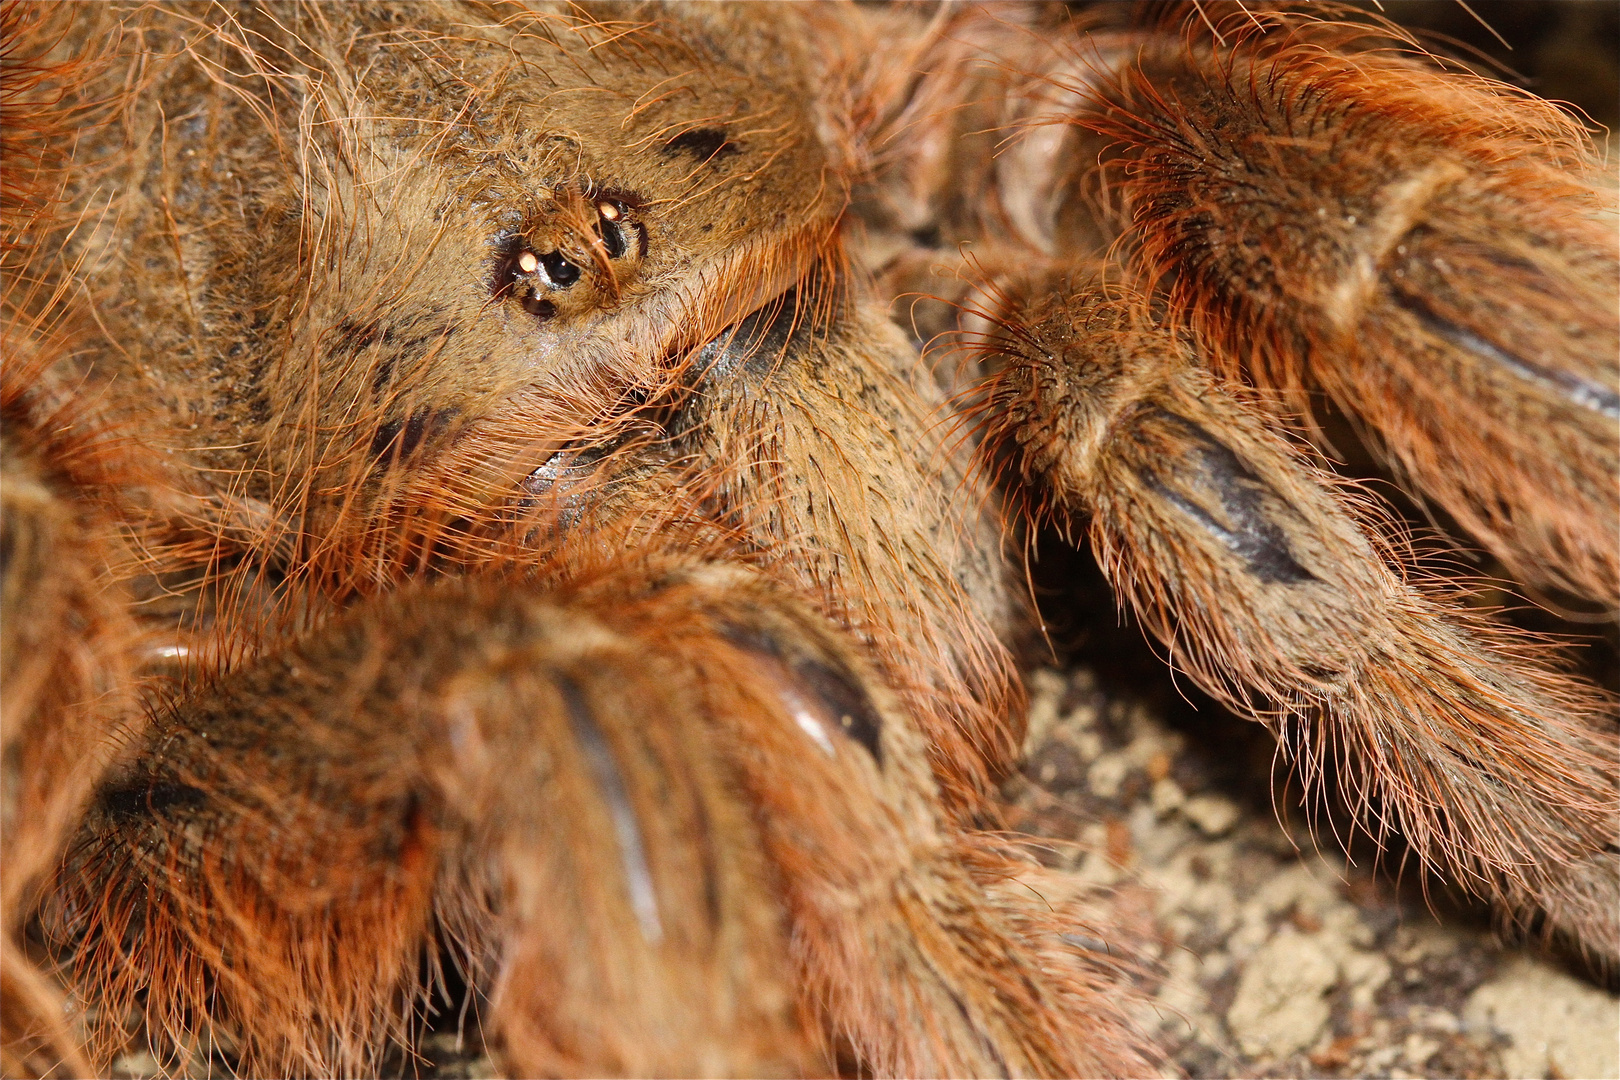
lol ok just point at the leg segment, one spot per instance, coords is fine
(1271, 583)
(1426, 247)
(1435, 251)
(669, 818)
(825, 455)
(459, 766)
(66, 645)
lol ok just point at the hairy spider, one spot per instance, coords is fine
(468, 508)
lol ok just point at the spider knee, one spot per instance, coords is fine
(819, 695)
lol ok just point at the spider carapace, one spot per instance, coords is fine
(536, 492)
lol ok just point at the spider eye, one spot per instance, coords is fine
(539, 307)
(610, 223)
(517, 272)
(525, 275)
(559, 271)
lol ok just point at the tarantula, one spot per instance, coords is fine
(507, 491)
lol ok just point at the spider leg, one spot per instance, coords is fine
(67, 643)
(66, 646)
(668, 818)
(1429, 248)
(823, 447)
(1276, 587)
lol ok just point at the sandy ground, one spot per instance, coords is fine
(1274, 957)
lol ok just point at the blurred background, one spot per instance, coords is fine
(1566, 50)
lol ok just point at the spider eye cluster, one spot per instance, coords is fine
(544, 277)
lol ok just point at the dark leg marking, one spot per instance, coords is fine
(704, 144)
(711, 873)
(397, 440)
(839, 695)
(627, 830)
(967, 1018)
(757, 345)
(1247, 532)
(145, 797)
(1586, 393)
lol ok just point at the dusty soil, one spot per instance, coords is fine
(1273, 957)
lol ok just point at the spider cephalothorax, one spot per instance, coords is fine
(468, 498)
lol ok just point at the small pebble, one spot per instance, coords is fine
(1213, 815)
